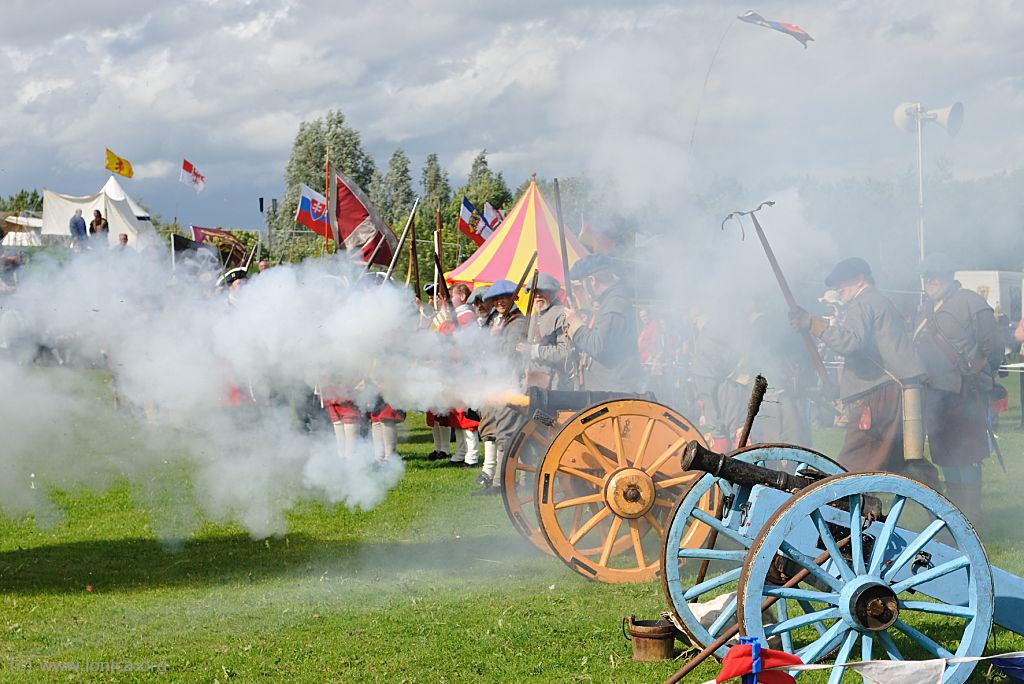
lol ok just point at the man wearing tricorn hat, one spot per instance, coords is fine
(610, 359)
(958, 340)
(880, 364)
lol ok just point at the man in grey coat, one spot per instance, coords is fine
(548, 347)
(607, 342)
(958, 339)
(879, 361)
(499, 423)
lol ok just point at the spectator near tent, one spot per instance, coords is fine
(98, 227)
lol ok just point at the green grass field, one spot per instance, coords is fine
(433, 585)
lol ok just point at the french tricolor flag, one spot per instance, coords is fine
(312, 212)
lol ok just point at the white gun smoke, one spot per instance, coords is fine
(176, 352)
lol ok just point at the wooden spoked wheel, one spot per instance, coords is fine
(519, 475)
(607, 486)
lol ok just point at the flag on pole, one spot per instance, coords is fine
(190, 174)
(789, 29)
(493, 216)
(473, 224)
(312, 212)
(118, 165)
(230, 247)
(356, 222)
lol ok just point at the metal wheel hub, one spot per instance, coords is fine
(630, 493)
(869, 605)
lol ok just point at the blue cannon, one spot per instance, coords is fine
(860, 565)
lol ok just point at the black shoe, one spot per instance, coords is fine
(464, 464)
(483, 481)
(456, 464)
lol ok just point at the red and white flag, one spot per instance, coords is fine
(355, 222)
(190, 174)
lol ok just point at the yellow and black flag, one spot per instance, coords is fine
(119, 165)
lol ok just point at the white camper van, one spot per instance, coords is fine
(1001, 289)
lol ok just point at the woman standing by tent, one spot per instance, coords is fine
(98, 226)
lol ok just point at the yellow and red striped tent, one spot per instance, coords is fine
(529, 226)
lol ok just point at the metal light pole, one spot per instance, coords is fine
(911, 115)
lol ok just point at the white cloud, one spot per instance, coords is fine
(158, 168)
(561, 88)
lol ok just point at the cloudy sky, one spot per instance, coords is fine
(561, 88)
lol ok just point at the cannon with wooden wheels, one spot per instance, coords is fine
(606, 485)
(548, 411)
(835, 567)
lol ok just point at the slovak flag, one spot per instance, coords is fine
(190, 174)
(312, 212)
(472, 223)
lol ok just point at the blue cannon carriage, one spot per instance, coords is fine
(859, 565)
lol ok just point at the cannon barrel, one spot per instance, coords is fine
(698, 457)
(551, 401)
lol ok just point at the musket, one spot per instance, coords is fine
(401, 242)
(438, 255)
(812, 349)
(443, 285)
(522, 280)
(564, 250)
(414, 263)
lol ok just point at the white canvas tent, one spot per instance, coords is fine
(21, 231)
(114, 190)
(120, 210)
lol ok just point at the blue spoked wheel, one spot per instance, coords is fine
(680, 565)
(895, 574)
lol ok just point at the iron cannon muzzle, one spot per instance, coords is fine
(552, 401)
(698, 457)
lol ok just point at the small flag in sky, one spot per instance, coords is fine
(789, 29)
(118, 164)
(190, 174)
(312, 212)
(473, 224)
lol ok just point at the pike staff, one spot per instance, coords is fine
(401, 242)
(812, 349)
(564, 251)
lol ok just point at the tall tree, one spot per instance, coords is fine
(314, 141)
(484, 185)
(24, 200)
(437, 191)
(398, 189)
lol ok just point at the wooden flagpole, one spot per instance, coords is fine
(331, 219)
(561, 244)
(439, 260)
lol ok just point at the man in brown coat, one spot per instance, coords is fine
(879, 362)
